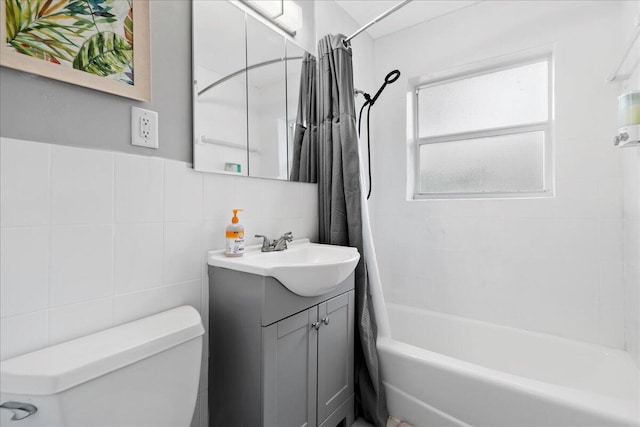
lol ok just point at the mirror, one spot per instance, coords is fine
(220, 91)
(266, 83)
(295, 56)
(246, 80)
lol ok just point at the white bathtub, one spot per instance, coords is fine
(442, 370)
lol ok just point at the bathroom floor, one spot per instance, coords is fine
(392, 422)
(361, 423)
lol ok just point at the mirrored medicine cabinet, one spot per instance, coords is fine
(246, 80)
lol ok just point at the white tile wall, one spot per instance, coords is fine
(186, 293)
(81, 186)
(182, 193)
(138, 256)
(24, 256)
(550, 265)
(71, 321)
(131, 306)
(25, 175)
(81, 263)
(224, 189)
(92, 239)
(631, 206)
(631, 245)
(182, 259)
(24, 333)
(139, 189)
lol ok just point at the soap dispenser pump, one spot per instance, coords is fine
(235, 237)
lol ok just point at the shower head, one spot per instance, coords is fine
(389, 78)
(392, 76)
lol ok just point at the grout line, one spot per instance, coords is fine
(202, 251)
(50, 240)
(163, 244)
(26, 313)
(113, 239)
(601, 260)
(102, 149)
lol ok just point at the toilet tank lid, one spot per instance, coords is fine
(60, 367)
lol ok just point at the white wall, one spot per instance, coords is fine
(631, 212)
(91, 239)
(551, 265)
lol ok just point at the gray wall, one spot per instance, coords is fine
(44, 110)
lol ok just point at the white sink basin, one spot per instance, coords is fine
(307, 269)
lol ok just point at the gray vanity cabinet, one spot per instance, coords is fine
(278, 359)
(335, 354)
(290, 353)
(308, 364)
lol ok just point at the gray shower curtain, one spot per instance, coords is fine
(303, 166)
(340, 218)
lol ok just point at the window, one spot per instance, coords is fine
(485, 133)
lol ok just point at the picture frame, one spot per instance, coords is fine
(98, 44)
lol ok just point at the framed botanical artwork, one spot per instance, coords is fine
(99, 44)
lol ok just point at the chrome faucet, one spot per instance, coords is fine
(279, 244)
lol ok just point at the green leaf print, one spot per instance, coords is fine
(104, 54)
(128, 27)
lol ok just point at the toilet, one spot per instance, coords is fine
(143, 373)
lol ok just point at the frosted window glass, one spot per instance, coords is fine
(497, 164)
(504, 98)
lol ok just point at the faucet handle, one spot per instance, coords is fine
(265, 241)
(288, 236)
(20, 410)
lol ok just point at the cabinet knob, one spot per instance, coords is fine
(315, 325)
(325, 320)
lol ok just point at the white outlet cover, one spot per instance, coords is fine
(148, 138)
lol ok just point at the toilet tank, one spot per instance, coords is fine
(143, 373)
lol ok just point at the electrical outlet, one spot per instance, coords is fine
(144, 127)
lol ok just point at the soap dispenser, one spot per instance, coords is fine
(235, 237)
(628, 120)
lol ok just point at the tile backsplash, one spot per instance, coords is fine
(92, 239)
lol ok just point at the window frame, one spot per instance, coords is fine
(469, 71)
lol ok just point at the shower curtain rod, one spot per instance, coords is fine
(634, 38)
(244, 70)
(347, 41)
